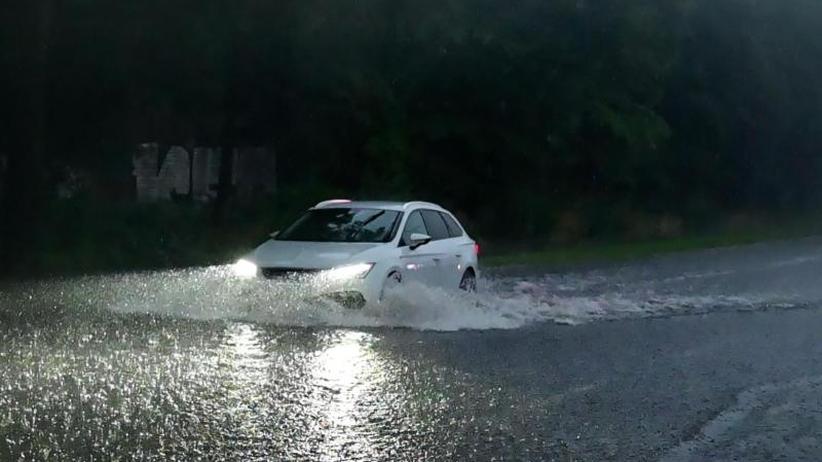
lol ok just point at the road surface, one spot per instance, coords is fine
(712, 355)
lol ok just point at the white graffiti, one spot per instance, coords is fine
(253, 172)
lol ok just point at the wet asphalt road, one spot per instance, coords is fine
(88, 373)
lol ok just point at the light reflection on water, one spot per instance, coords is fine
(246, 362)
(152, 388)
(344, 370)
(328, 419)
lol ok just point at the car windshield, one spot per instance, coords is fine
(343, 225)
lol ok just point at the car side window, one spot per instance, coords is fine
(435, 225)
(414, 224)
(454, 229)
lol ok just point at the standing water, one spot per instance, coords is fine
(195, 364)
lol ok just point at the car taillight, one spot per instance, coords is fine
(476, 249)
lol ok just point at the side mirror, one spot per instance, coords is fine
(274, 234)
(417, 239)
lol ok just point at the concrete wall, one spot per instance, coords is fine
(157, 182)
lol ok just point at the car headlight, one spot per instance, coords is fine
(359, 270)
(245, 269)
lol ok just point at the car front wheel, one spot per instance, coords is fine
(392, 281)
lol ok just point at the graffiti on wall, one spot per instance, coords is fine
(196, 173)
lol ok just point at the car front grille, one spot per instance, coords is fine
(287, 273)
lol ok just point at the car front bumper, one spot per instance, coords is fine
(353, 293)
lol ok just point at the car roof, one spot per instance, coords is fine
(386, 205)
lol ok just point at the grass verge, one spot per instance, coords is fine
(622, 250)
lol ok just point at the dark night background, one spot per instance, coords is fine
(533, 120)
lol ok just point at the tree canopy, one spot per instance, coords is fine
(510, 112)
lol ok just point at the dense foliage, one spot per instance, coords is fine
(530, 117)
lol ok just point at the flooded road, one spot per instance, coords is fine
(711, 355)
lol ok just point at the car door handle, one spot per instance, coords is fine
(436, 259)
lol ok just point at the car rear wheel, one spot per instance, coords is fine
(469, 281)
(392, 281)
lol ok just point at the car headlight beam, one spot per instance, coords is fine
(341, 273)
(245, 268)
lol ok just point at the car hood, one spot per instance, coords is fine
(307, 255)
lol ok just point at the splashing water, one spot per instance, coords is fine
(739, 279)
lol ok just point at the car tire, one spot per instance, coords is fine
(469, 281)
(393, 279)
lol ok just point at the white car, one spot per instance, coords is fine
(354, 252)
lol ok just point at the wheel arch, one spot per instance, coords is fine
(391, 270)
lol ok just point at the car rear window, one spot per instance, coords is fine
(454, 229)
(435, 224)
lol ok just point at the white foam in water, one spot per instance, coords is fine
(692, 284)
(501, 303)
(213, 293)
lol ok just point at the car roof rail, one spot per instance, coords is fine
(421, 204)
(332, 202)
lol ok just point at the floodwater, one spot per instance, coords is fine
(712, 355)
